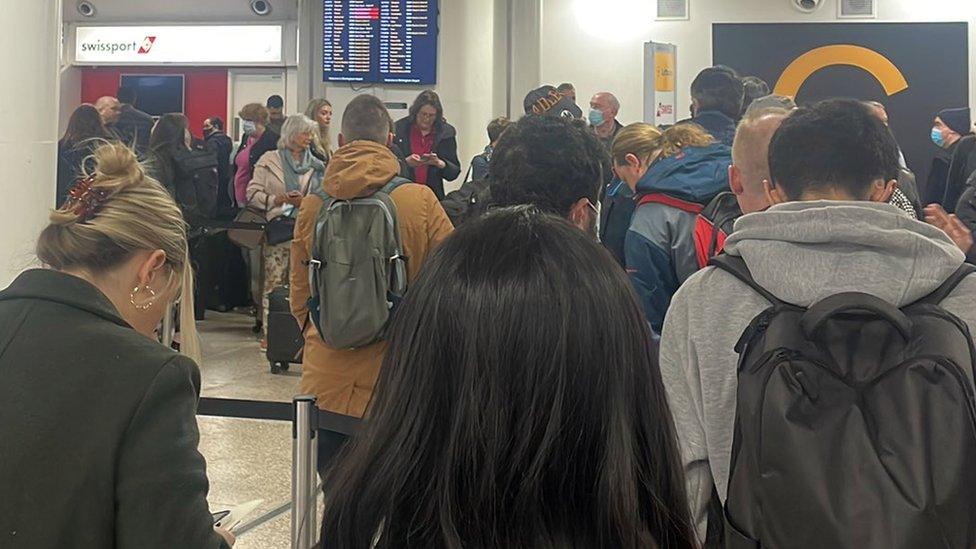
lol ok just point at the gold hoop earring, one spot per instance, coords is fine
(149, 303)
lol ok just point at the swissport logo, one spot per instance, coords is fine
(147, 44)
(119, 47)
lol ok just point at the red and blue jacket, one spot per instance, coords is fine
(660, 248)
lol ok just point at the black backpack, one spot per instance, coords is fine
(855, 425)
(468, 202)
(196, 184)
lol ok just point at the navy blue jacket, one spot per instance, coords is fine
(615, 215)
(717, 124)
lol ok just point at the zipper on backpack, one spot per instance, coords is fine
(758, 326)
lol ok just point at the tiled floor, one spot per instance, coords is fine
(246, 459)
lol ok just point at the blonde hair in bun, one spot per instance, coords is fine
(135, 213)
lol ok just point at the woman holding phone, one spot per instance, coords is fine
(427, 144)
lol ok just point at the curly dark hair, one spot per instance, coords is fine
(547, 162)
(838, 143)
(427, 97)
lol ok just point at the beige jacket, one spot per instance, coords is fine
(343, 379)
(269, 182)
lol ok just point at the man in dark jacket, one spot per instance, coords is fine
(963, 161)
(134, 126)
(604, 108)
(276, 113)
(221, 144)
(949, 127)
(716, 102)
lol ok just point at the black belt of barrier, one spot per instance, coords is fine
(274, 411)
(232, 225)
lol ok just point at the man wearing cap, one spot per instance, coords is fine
(548, 101)
(949, 127)
(963, 162)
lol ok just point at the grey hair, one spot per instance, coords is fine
(294, 125)
(612, 99)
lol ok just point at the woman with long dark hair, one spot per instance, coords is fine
(536, 418)
(169, 138)
(76, 149)
(427, 144)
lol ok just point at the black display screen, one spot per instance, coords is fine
(380, 41)
(157, 94)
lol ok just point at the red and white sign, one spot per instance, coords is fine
(225, 44)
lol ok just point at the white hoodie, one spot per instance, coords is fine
(801, 252)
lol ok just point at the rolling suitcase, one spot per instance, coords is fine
(221, 274)
(285, 339)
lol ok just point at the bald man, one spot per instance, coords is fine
(604, 108)
(110, 110)
(748, 176)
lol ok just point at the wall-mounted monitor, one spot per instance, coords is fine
(157, 94)
(380, 41)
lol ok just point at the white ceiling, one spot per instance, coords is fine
(179, 11)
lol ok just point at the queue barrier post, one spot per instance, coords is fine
(303, 475)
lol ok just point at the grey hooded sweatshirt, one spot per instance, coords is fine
(801, 252)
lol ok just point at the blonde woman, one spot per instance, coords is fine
(281, 179)
(674, 175)
(99, 433)
(320, 110)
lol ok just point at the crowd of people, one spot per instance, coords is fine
(742, 330)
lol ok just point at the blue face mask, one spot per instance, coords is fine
(937, 137)
(248, 126)
(595, 117)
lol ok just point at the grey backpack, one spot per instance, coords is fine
(358, 271)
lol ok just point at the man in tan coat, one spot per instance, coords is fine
(343, 379)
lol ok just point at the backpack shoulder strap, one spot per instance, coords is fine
(667, 200)
(394, 183)
(947, 287)
(736, 267)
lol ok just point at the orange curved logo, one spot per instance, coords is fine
(803, 67)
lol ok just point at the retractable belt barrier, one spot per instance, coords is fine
(306, 420)
(217, 225)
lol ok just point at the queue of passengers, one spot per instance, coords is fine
(742, 330)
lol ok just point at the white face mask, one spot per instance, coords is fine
(249, 126)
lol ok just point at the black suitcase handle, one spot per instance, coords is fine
(849, 302)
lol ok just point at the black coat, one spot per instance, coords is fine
(134, 128)
(223, 147)
(966, 210)
(962, 165)
(445, 147)
(935, 185)
(98, 441)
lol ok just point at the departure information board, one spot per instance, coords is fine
(380, 41)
